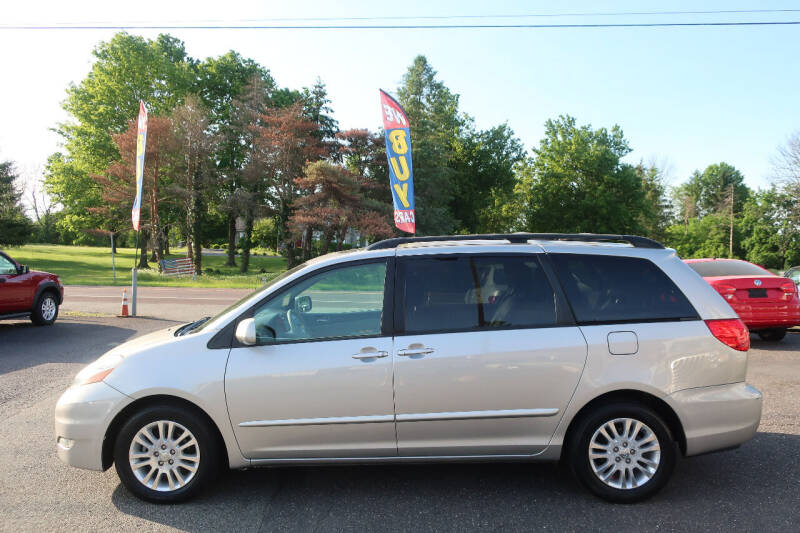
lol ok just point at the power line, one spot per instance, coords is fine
(237, 22)
(391, 26)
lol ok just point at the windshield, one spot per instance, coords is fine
(727, 267)
(270, 283)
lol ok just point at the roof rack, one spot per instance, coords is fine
(522, 238)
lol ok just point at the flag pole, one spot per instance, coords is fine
(134, 275)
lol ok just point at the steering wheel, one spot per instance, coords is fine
(296, 324)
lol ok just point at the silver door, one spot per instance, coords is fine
(499, 389)
(309, 393)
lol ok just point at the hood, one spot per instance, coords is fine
(43, 274)
(116, 355)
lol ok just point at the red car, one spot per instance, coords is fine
(25, 292)
(766, 303)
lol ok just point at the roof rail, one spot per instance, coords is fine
(522, 238)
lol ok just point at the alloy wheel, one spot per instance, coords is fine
(48, 308)
(164, 456)
(624, 453)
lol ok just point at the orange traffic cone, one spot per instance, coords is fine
(124, 303)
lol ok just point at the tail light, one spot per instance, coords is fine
(731, 332)
(789, 287)
(727, 291)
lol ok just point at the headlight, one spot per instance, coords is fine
(99, 370)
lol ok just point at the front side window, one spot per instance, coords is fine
(341, 302)
(6, 266)
(460, 293)
(605, 289)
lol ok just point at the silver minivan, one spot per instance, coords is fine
(604, 351)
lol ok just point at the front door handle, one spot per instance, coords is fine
(415, 351)
(370, 355)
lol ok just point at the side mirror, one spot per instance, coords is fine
(303, 304)
(246, 332)
(22, 269)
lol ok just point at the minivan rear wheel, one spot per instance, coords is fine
(165, 454)
(622, 452)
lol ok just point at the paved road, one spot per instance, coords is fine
(187, 304)
(177, 303)
(753, 488)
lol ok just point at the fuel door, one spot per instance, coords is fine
(623, 343)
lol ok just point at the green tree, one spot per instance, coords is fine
(235, 89)
(316, 108)
(710, 191)
(577, 183)
(127, 69)
(15, 227)
(435, 127)
(265, 233)
(706, 237)
(657, 213)
(484, 164)
(770, 225)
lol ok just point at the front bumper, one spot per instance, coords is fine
(83, 414)
(719, 417)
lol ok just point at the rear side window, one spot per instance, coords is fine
(461, 293)
(603, 289)
(727, 267)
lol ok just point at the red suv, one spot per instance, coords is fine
(25, 292)
(766, 303)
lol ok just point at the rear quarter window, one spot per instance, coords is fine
(605, 289)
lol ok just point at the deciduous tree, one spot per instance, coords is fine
(128, 68)
(283, 142)
(577, 182)
(118, 182)
(195, 171)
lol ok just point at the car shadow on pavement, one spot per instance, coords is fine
(23, 345)
(788, 344)
(754, 487)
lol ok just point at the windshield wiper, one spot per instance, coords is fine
(187, 328)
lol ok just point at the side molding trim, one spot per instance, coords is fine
(415, 417)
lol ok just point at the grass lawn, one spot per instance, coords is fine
(89, 265)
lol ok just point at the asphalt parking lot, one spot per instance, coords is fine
(756, 487)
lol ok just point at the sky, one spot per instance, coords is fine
(685, 97)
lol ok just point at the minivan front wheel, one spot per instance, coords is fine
(165, 454)
(623, 452)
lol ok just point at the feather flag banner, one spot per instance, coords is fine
(401, 171)
(141, 142)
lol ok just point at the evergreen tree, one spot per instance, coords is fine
(15, 227)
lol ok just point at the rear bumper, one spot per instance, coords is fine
(83, 414)
(715, 418)
(768, 315)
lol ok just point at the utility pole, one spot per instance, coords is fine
(730, 242)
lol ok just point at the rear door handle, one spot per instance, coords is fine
(370, 355)
(415, 351)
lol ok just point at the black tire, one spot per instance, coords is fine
(207, 451)
(581, 465)
(772, 335)
(42, 313)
